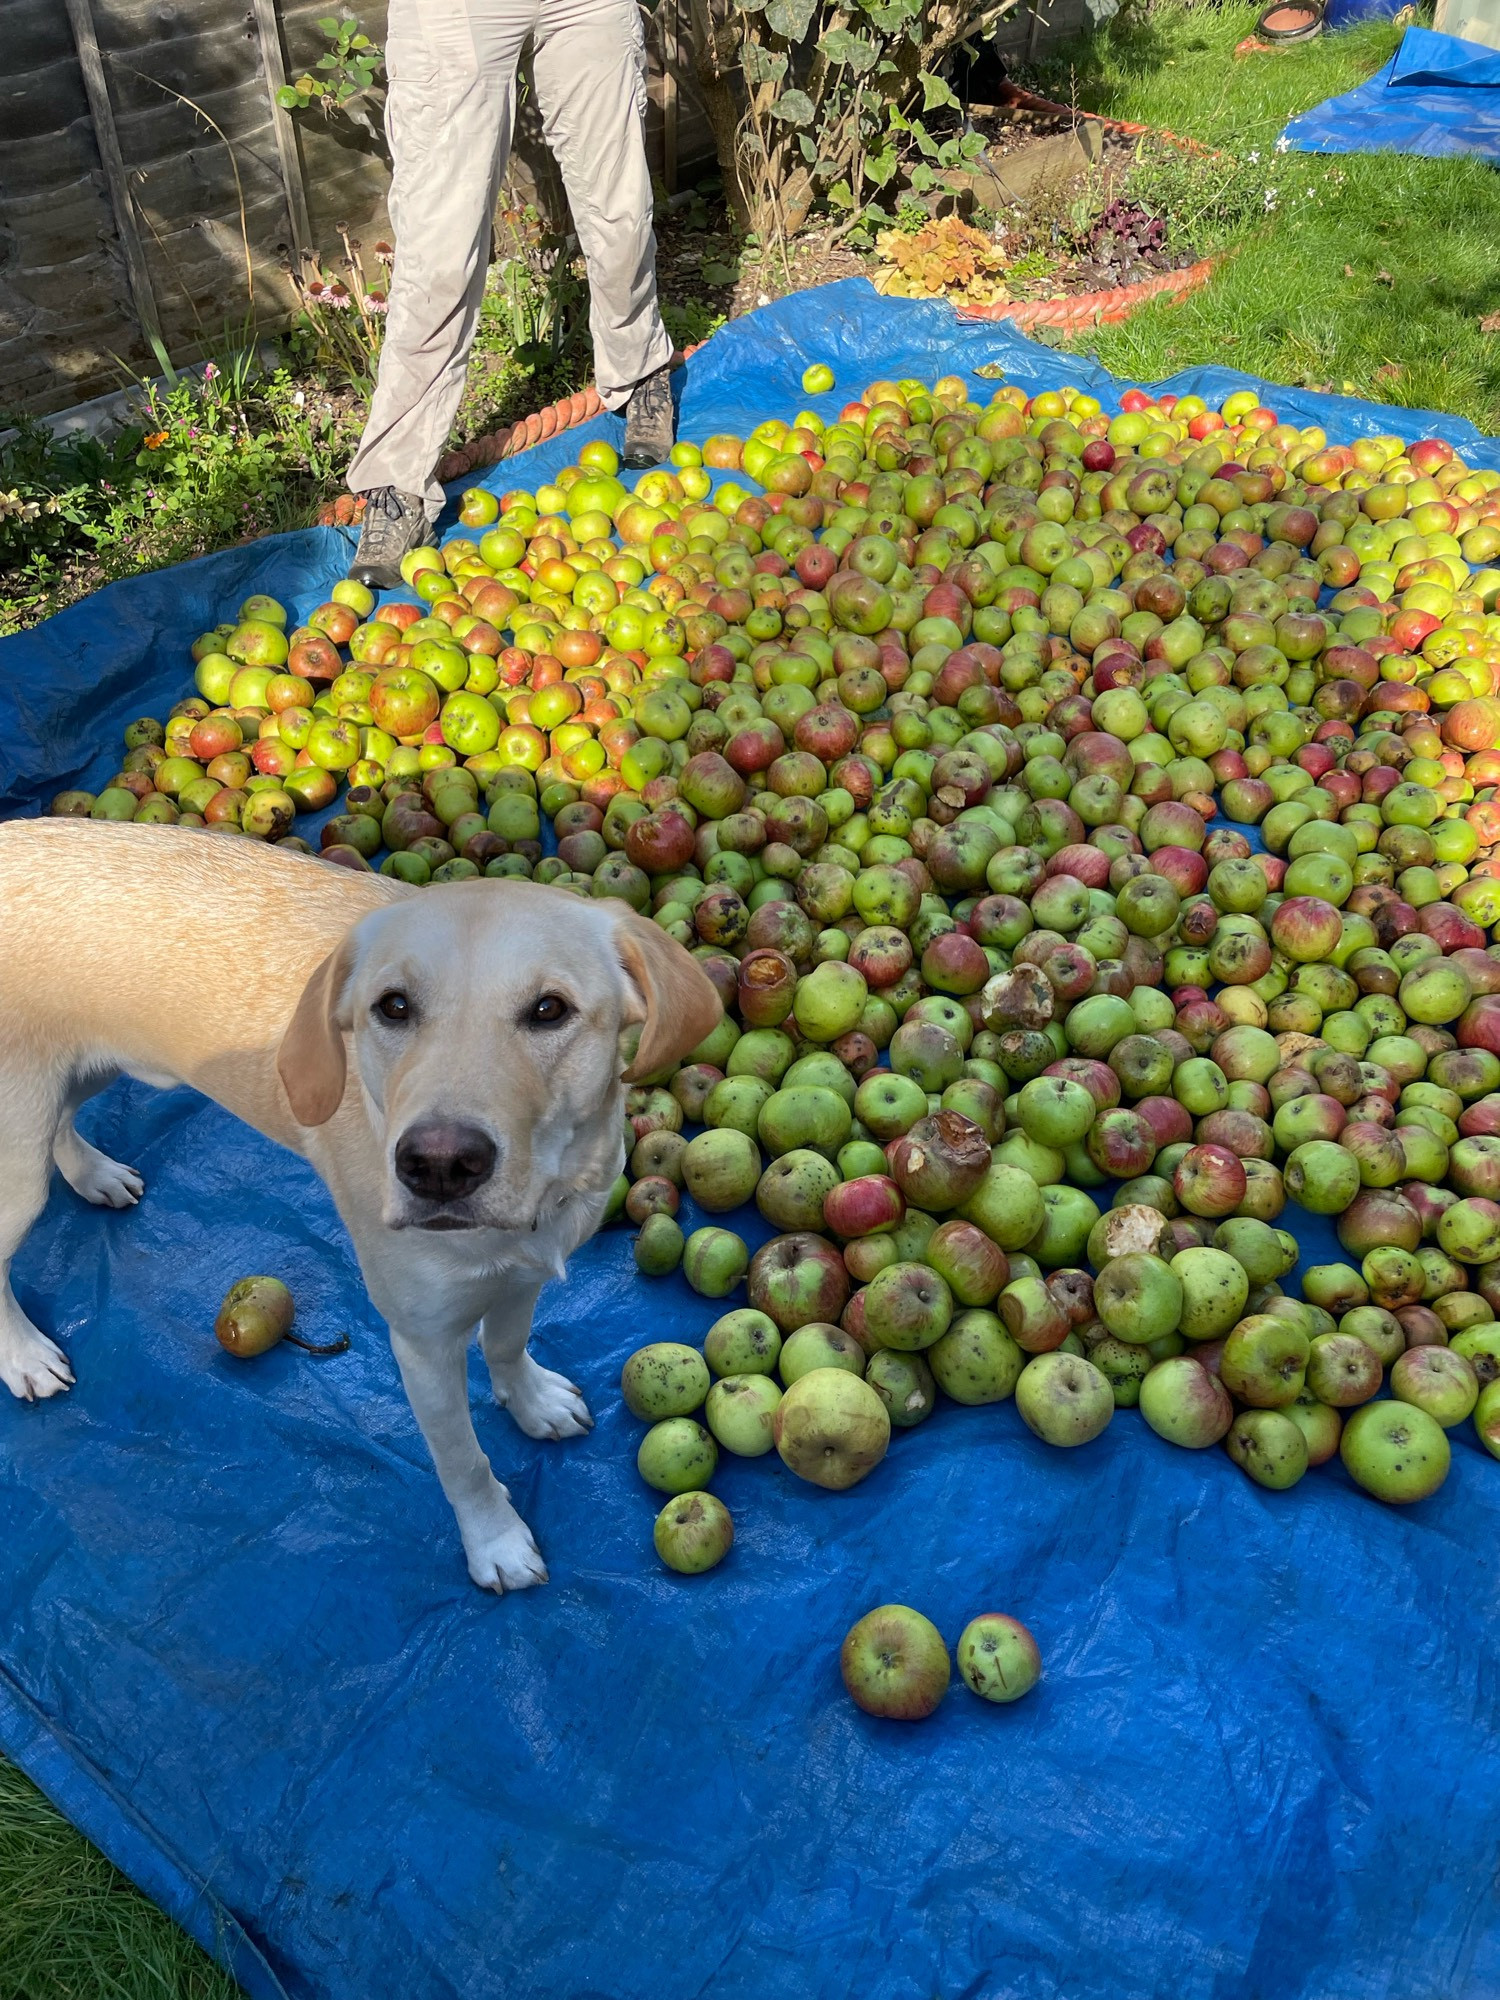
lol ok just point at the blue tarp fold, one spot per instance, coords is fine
(1437, 95)
(238, 1646)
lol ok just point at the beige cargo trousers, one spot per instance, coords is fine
(450, 112)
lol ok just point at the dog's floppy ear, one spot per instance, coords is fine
(310, 1060)
(674, 996)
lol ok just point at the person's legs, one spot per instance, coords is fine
(449, 111)
(590, 70)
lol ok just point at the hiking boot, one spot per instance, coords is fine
(395, 523)
(650, 422)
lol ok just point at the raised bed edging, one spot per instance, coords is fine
(1099, 308)
(1028, 100)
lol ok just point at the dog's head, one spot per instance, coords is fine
(485, 1022)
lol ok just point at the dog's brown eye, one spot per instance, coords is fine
(548, 1011)
(393, 1007)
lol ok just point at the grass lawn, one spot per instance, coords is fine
(1368, 273)
(72, 1927)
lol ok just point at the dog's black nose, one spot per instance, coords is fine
(443, 1162)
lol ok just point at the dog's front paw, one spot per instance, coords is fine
(109, 1184)
(506, 1559)
(32, 1366)
(545, 1405)
(94, 1175)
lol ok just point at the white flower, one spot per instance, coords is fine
(1270, 199)
(1253, 159)
(299, 399)
(1283, 144)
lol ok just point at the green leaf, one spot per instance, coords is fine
(794, 107)
(880, 167)
(971, 145)
(327, 62)
(856, 52)
(751, 6)
(306, 86)
(763, 65)
(360, 42)
(328, 26)
(841, 195)
(934, 90)
(719, 274)
(892, 15)
(806, 147)
(288, 98)
(791, 18)
(921, 177)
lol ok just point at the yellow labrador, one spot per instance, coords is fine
(447, 1058)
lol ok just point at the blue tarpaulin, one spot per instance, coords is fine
(1437, 95)
(239, 1648)
(1349, 13)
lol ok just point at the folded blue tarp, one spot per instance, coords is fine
(238, 1646)
(1437, 95)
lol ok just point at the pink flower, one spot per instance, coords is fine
(210, 373)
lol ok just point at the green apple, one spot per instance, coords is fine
(895, 1664)
(665, 1379)
(741, 1413)
(1395, 1451)
(831, 1428)
(1064, 1399)
(744, 1342)
(1269, 1446)
(904, 1383)
(976, 1361)
(998, 1658)
(820, 1345)
(693, 1532)
(677, 1456)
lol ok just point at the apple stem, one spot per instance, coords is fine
(338, 1346)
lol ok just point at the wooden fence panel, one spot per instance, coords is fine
(200, 192)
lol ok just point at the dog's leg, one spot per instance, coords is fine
(87, 1171)
(497, 1542)
(543, 1404)
(31, 1365)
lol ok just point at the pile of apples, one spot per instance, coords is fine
(938, 731)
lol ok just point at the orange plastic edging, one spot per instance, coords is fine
(1098, 308)
(527, 431)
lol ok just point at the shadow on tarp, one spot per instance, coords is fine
(1436, 96)
(238, 1646)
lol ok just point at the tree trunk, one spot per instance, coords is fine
(715, 70)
